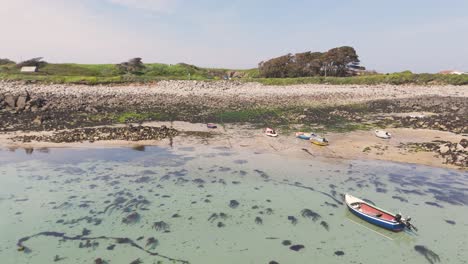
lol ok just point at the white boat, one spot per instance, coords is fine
(383, 134)
(270, 132)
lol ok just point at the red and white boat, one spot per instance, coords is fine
(270, 132)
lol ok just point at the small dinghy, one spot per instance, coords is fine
(383, 134)
(303, 135)
(211, 125)
(318, 140)
(377, 216)
(270, 132)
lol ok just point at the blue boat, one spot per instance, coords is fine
(303, 135)
(377, 216)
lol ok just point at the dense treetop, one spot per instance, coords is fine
(339, 62)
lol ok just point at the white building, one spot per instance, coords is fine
(29, 69)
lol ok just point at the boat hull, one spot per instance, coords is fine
(389, 225)
(322, 144)
(302, 135)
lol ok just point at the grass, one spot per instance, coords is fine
(108, 74)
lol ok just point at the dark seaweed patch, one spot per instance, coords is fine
(451, 222)
(339, 253)
(307, 213)
(292, 219)
(430, 256)
(296, 247)
(434, 204)
(233, 204)
(258, 220)
(325, 225)
(401, 199)
(286, 242)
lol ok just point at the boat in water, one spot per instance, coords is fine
(303, 135)
(377, 216)
(383, 134)
(270, 132)
(318, 140)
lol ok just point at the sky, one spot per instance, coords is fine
(389, 36)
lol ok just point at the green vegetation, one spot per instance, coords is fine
(113, 74)
(394, 78)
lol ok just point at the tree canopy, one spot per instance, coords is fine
(341, 61)
(132, 66)
(38, 62)
(6, 61)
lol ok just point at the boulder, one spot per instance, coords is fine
(37, 121)
(444, 149)
(10, 101)
(21, 102)
(464, 143)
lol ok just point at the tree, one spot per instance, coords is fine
(6, 61)
(341, 61)
(37, 62)
(280, 67)
(132, 66)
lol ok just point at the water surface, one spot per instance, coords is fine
(214, 205)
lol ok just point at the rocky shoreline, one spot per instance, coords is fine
(127, 133)
(452, 152)
(76, 113)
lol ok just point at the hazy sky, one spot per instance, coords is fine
(397, 35)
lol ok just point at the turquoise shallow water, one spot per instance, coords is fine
(214, 205)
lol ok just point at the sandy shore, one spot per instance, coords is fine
(360, 145)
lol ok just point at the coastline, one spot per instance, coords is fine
(346, 115)
(355, 145)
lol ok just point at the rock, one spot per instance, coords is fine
(21, 102)
(444, 149)
(464, 143)
(37, 121)
(10, 101)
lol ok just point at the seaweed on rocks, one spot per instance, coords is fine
(434, 204)
(331, 205)
(233, 204)
(292, 219)
(152, 243)
(325, 225)
(258, 220)
(213, 217)
(136, 261)
(132, 218)
(286, 242)
(296, 247)
(269, 211)
(223, 216)
(118, 240)
(307, 213)
(451, 222)
(401, 199)
(430, 256)
(220, 224)
(339, 253)
(161, 226)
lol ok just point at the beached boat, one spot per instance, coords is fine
(377, 216)
(383, 134)
(211, 125)
(318, 140)
(303, 135)
(270, 132)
